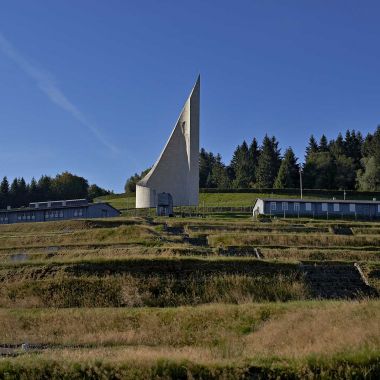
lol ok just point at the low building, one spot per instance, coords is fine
(316, 208)
(57, 210)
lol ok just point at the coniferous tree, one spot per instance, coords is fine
(219, 176)
(4, 193)
(345, 170)
(22, 192)
(33, 190)
(254, 154)
(368, 178)
(312, 147)
(353, 147)
(44, 189)
(14, 193)
(4, 186)
(337, 147)
(288, 174)
(206, 162)
(323, 144)
(268, 164)
(242, 167)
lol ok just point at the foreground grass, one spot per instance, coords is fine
(292, 330)
(335, 339)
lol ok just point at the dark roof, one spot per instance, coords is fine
(53, 207)
(299, 200)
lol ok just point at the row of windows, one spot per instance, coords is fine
(26, 216)
(59, 214)
(336, 206)
(53, 214)
(78, 212)
(285, 206)
(3, 218)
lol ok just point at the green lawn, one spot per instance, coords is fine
(122, 201)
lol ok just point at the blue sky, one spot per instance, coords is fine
(94, 87)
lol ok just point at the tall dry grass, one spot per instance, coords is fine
(325, 329)
(128, 234)
(152, 290)
(294, 330)
(294, 240)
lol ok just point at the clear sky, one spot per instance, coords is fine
(95, 87)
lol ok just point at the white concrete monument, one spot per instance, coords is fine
(177, 169)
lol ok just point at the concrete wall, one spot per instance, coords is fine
(177, 169)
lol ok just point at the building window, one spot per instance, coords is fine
(296, 206)
(324, 206)
(80, 212)
(61, 214)
(18, 217)
(308, 206)
(352, 207)
(273, 206)
(285, 206)
(336, 207)
(378, 208)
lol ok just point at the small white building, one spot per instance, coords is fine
(316, 207)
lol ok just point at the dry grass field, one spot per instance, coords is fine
(186, 298)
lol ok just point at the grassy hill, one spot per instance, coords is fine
(208, 298)
(239, 199)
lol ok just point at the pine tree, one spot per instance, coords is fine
(312, 147)
(242, 167)
(23, 192)
(14, 193)
(4, 186)
(4, 193)
(323, 144)
(268, 164)
(33, 191)
(44, 186)
(219, 176)
(337, 147)
(206, 162)
(254, 154)
(288, 174)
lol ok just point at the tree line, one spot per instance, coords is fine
(19, 193)
(351, 162)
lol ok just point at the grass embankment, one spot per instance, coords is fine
(151, 282)
(327, 339)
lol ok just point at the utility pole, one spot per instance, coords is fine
(344, 194)
(301, 181)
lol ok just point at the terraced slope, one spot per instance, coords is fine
(136, 297)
